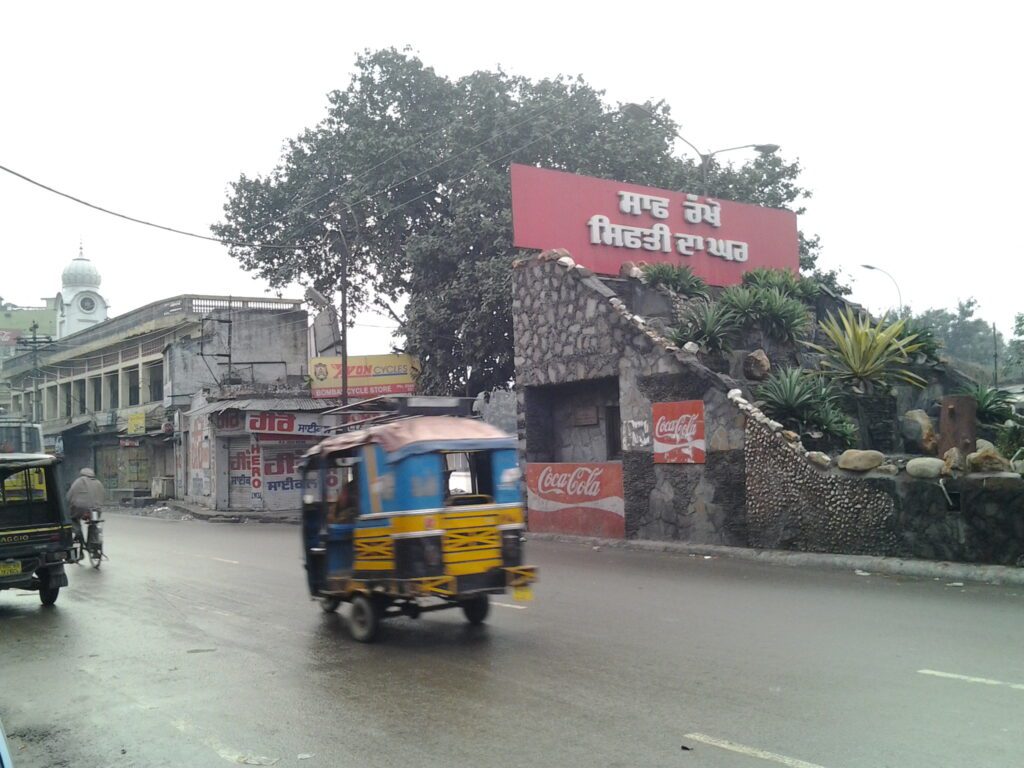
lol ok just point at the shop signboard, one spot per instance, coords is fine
(679, 432)
(368, 376)
(581, 499)
(603, 223)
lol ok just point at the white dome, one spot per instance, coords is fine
(80, 273)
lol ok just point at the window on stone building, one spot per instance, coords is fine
(133, 387)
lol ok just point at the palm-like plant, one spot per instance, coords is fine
(863, 355)
(744, 302)
(780, 316)
(995, 406)
(790, 283)
(676, 278)
(806, 401)
(712, 326)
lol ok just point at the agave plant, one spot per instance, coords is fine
(744, 302)
(789, 283)
(995, 406)
(807, 401)
(676, 278)
(780, 316)
(925, 336)
(865, 356)
(712, 326)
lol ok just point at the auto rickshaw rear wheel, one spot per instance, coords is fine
(476, 608)
(364, 619)
(48, 595)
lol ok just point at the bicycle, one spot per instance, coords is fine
(93, 545)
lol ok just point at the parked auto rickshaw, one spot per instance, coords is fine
(415, 515)
(36, 537)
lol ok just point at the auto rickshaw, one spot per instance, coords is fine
(414, 515)
(36, 537)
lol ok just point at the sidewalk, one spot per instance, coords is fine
(864, 565)
(181, 510)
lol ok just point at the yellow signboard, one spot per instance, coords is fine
(137, 424)
(368, 375)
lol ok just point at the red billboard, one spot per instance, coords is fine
(580, 499)
(679, 432)
(605, 223)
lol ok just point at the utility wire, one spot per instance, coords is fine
(176, 231)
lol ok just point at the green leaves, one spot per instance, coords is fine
(678, 279)
(779, 315)
(712, 326)
(863, 355)
(995, 406)
(806, 401)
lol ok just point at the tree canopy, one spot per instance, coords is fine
(408, 175)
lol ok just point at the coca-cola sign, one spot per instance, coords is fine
(679, 432)
(582, 499)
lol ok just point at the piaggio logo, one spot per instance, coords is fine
(14, 538)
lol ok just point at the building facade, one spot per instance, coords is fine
(107, 394)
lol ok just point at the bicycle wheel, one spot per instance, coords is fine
(94, 546)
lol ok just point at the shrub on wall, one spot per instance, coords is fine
(807, 402)
(789, 283)
(676, 278)
(866, 356)
(712, 326)
(995, 406)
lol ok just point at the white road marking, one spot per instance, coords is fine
(510, 605)
(969, 679)
(732, 746)
(222, 560)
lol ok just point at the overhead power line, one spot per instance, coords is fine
(125, 216)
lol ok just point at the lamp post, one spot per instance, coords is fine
(899, 294)
(705, 157)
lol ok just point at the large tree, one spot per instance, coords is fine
(406, 180)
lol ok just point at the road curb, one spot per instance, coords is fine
(893, 566)
(219, 516)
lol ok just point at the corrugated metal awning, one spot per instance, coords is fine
(264, 404)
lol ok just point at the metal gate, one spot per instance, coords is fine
(106, 465)
(239, 473)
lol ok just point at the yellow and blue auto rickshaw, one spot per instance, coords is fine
(414, 515)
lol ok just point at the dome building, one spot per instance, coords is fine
(79, 303)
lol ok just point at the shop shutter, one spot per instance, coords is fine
(239, 474)
(281, 473)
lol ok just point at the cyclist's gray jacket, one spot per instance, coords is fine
(85, 493)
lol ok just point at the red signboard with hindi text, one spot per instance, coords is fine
(603, 224)
(580, 499)
(679, 432)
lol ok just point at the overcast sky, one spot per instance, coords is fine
(905, 116)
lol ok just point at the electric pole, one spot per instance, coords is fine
(33, 345)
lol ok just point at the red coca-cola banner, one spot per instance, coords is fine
(679, 432)
(581, 499)
(604, 223)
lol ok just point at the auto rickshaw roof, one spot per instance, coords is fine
(26, 460)
(421, 434)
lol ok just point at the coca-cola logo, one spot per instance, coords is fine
(581, 481)
(680, 431)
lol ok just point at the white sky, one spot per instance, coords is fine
(906, 117)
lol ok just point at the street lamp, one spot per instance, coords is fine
(899, 294)
(705, 157)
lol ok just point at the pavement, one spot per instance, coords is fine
(196, 645)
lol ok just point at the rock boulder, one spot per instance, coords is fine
(987, 460)
(757, 366)
(925, 467)
(860, 461)
(919, 434)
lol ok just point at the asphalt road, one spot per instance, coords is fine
(196, 645)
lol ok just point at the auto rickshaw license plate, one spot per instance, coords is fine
(10, 569)
(522, 593)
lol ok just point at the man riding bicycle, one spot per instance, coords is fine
(84, 496)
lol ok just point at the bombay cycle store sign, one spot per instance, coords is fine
(605, 223)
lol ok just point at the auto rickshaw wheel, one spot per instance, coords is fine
(330, 604)
(364, 619)
(48, 595)
(476, 608)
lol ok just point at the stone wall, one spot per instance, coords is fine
(794, 503)
(578, 344)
